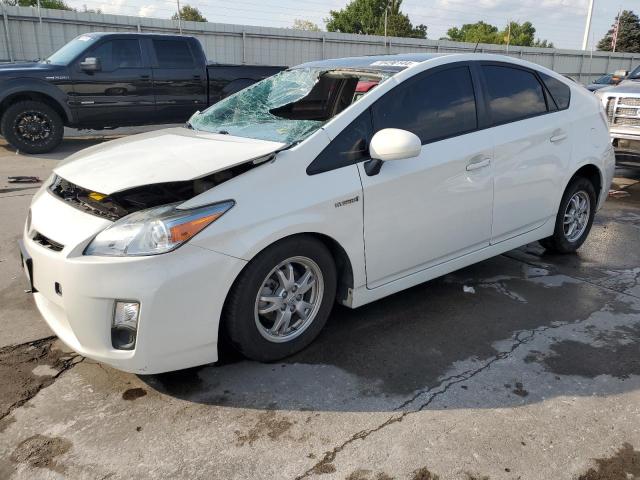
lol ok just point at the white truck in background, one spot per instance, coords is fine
(622, 106)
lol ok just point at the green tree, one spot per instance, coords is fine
(308, 25)
(53, 4)
(367, 17)
(189, 14)
(521, 34)
(474, 32)
(628, 34)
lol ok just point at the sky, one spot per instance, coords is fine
(560, 21)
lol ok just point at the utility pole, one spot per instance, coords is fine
(509, 36)
(587, 28)
(386, 10)
(179, 17)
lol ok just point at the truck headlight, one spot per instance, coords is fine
(154, 231)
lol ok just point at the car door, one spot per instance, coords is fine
(532, 149)
(120, 92)
(424, 211)
(179, 81)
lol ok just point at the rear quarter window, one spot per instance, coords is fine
(559, 91)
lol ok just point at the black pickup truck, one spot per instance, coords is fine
(109, 80)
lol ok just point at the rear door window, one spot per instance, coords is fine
(434, 106)
(173, 53)
(513, 94)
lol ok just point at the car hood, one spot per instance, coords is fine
(22, 68)
(169, 155)
(626, 86)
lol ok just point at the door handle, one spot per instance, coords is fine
(479, 163)
(558, 136)
(144, 77)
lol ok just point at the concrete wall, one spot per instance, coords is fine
(26, 35)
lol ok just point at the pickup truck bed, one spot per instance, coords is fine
(109, 80)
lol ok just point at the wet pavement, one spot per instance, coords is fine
(523, 366)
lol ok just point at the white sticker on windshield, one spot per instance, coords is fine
(394, 63)
(84, 38)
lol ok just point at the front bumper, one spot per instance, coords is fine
(626, 144)
(181, 293)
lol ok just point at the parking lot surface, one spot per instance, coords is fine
(525, 366)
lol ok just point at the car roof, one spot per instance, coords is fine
(384, 63)
(133, 34)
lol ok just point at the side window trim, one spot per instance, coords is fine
(482, 120)
(482, 101)
(515, 67)
(427, 74)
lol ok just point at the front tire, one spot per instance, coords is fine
(281, 300)
(574, 219)
(32, 127)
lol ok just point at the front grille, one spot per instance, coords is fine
(46, 242)
(79, 198)
(627, 111)
(623, 111)
(627, 122)
(611, 105)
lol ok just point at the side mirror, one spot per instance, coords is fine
(90, 65)
(391, 144)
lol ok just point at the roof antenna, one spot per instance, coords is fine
(476, 48)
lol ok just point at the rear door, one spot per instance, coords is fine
(532, 149)
(423, 211)
(179, 79)
(121, 92)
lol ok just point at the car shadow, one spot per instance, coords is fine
(390, 354)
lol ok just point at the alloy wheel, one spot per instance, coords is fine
(289, 299)
(33, 126)
(576, 216)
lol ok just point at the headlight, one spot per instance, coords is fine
(154, 231)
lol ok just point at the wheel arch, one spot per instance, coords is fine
(592, 173)
(37, 94)
(344, 267)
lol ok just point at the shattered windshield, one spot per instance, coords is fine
(287, 107)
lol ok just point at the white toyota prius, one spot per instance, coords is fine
(339, 180)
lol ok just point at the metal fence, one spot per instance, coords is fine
(29, 34)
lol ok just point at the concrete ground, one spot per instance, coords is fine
(531, 372)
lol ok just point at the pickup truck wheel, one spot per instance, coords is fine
(32, 127)
(281, 300)
(574, 219)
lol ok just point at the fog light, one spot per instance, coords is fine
(125, 325)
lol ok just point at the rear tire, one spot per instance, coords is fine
(281, 301)
(574, 219)
(32, 127)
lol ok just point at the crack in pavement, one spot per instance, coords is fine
(521, 338)
(33, 353)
